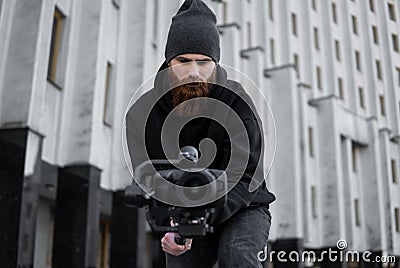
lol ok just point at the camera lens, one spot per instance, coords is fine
(192, 181)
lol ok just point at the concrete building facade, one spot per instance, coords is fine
(330, 71)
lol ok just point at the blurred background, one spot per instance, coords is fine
(330, 70)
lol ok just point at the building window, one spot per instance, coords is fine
(225, 11)
(313, 5)
(271, 9)
(382, 104)
(58, 21)
(107, 111)
(104, 244)
(334, 13)
(358, 61)
(375, 34)
(272, 44)
(372, 5)
(394, 170)
(319, 79)
(155, 23)
(249, 34)
(116, 3)
(340, 86)
(294, 24)
(311, 141)
(316, 38)
(337, 49)
(397, 219)
(398, 75)
(313, 202)
(395, 41)
(355, 25)
(296, 64)
(392, 12)
(357, 212)
(379, 69)
(361, 94)
(354, 156)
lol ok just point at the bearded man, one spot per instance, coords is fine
(189, 77)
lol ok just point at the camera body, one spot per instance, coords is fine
(160, 178)
(191, 193)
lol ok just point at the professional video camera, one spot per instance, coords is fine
(160, 177)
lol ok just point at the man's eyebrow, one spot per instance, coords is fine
(186, 59)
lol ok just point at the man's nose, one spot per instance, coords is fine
(193, 70)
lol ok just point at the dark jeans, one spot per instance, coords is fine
(234, 243)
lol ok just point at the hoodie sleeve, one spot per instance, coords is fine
(239, 196)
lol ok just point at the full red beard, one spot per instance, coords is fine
(182, 93)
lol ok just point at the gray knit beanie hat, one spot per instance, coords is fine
(193, 30)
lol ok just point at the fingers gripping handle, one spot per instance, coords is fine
(180, 240)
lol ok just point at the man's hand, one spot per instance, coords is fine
(169, 246)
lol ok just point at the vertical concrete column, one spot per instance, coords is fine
(77, 217)
(124, 225)
(333, 223)
(286, 169)
(19, 184)
(230, 44)
(86, 83)
(22, 79)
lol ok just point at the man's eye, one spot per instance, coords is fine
(203, 63)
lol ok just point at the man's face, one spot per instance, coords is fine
(193, 72)
(192, 67)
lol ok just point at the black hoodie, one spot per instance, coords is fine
(137, 127)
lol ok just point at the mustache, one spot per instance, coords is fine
(183, 93)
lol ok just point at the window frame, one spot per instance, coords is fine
(357, 56)
(395, 42)
(361, 97)
(334, 13)
(55, 46)
(319, 78)
(294, 23)
(375, 35)
(337, 50)
(109, 77)
(357, 212)
(372, 6)
(316, 38)
(314, 202)
(340, 88)
(394, 170)
(382, 104)
(354, 23)
(311, 141)
(391, 12)
(378, 69)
